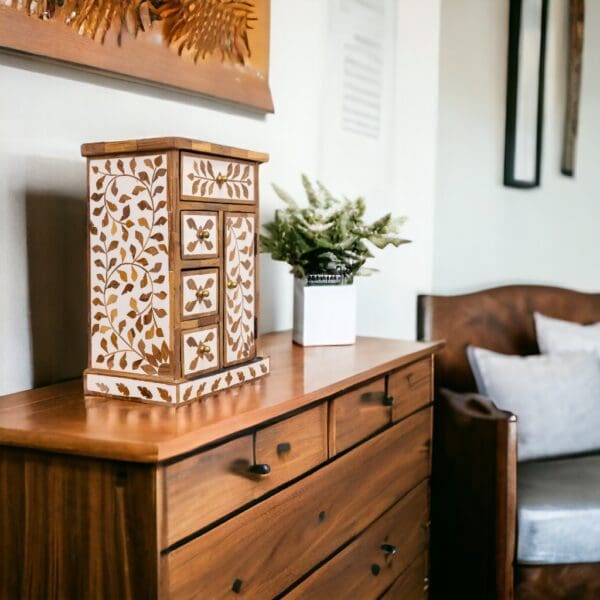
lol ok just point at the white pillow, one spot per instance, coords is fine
(556, 398)
(555, 335)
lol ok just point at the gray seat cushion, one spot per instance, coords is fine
(559, 511)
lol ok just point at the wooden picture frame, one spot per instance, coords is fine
(525, 92)
(217, 48)
(575, 60)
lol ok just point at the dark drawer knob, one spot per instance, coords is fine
(284, 448)
(260, 469)
(389, 549)
(388, 400)
(375, 569)
(237, 586)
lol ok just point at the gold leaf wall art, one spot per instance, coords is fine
(216, 47)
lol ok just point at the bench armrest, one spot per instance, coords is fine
(474, 497)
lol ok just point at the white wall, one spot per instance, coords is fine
(48, 110)
(487, 234)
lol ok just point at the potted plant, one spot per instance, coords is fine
(327, 244)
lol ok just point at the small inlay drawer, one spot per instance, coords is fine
(216, 180)
(371, 563)
(200, 350)
(205, 487)
(357, 414)
(199, 235)
(410, 388)
(199, 293)
(263, 550)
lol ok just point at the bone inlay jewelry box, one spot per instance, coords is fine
(172, 252)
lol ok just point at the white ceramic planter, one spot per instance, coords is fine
(324, 315)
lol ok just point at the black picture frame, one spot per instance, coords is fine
(525, 107)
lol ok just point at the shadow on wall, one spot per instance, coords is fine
(57, 271)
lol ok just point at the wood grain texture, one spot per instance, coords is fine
(207, 486)
(358, 414)
(274, 543)
(76, 528)
(60, 419)
(558, 582)
(411, 388)
(363, 569)
(412, 584)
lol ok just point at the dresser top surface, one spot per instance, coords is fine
(170, 143)
(59, 418)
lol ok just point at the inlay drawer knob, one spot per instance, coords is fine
(260, 469)
(389, 549)
(204, 349)
(231, 284)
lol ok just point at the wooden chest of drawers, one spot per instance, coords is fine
(312, 483)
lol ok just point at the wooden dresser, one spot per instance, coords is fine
(312, 482)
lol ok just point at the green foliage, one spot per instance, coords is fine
(328, 236)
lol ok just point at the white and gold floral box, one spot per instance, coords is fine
(172, 252)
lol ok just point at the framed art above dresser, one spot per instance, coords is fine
(218, 48)
(310, 482)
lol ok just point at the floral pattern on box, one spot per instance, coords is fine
(129, 270)
(178, 393)
(239, 287)
(215, 179)
(199, 293)
(223, 380)
(200, 350)
(199, 235)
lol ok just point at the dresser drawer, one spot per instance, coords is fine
(370, 564)
(266, 548)
(210, 179)
(357, 414)
(200, 350)
(293, 446)
(410, 388)
(199, 293)
(199, 235)
(413, 583)
(203, 488)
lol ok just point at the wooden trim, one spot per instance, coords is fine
(171, 143)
